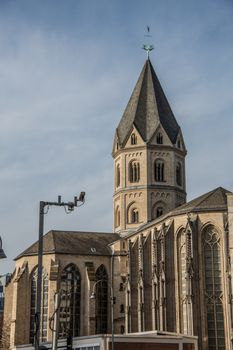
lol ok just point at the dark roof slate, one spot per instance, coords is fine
(74, 243)
(147, 108)
(213, 200)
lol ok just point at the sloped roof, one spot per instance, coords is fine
(74, 242)
(147, 107)
(213, 200)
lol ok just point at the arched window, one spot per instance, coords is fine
(159, 138)
(44, 305)
(101, 300)
(159, 211)
(133, 139)
(181, 255)
(178, 144)
(159, 170)
(118, 175)
(134, 216)
(213, 289)
(70, 302)
(134, 171)
(179, 174)
(117, 217)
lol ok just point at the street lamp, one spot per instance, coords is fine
(2, 253)
(69, 207)
(112, 300)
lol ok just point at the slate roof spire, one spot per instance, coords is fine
(147, 108)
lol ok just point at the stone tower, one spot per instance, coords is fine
(149, 157)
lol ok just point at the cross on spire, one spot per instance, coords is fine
(148, 47)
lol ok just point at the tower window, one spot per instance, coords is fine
(133, 139)
(159, 138)
(134, 171)
(179, 174)
(118, 173)
(159, 211)
(178, 144)
(159, 170)
(117, 217)
(134, 216)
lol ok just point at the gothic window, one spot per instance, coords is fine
(117, 217)
(134, 216)
(118, 175)
(101, 300)
(134, 171)
(179, 174)
(181, 250)
(159, 138)
(133, 139)
(159, 170)
(213, 289)
(44, 305)
(70, 302)
(178, 144)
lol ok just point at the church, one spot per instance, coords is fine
(167, 265)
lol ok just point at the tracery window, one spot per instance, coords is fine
(179, 174)
(134, 171)
(133, 139)
(159, 170)
(181, 249)
(44, 305)
(159, 138)
(118, 175)
(70, 302)
(213, 289)
(101, 300)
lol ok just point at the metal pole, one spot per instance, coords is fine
(39, 276)
(56, 320)
(112, 317)
(112, 298)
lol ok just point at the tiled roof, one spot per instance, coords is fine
(74, 242)
(213, 200)
(147, 107)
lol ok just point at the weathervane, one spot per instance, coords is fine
(148, 47)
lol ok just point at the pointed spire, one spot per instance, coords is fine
(147, 108)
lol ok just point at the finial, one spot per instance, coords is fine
(148, 47)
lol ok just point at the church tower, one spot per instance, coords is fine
(149, 157)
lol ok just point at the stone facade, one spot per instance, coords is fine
(168, 262)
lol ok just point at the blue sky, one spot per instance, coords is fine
(67, 70)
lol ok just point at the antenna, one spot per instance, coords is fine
(148, 47)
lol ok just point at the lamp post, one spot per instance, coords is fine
(69, 207)
(112, 300)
